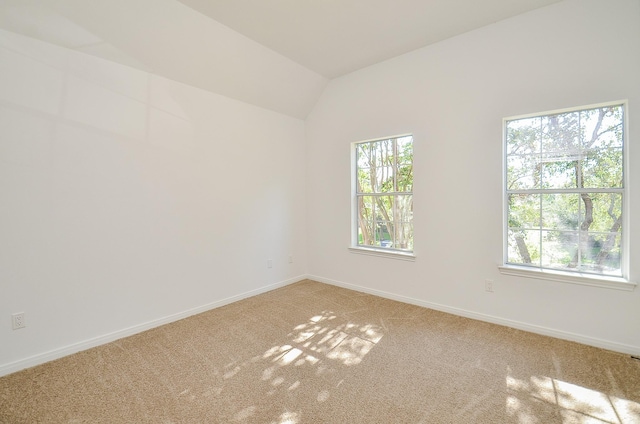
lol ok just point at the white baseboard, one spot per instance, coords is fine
(41, 358)
(545, 331)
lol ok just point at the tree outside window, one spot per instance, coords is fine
(564, 184)
(384, 193)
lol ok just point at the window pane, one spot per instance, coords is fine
(561, 133)
(405, 150)
(561, 211)
(602, 168)
(602, 127)
(601, 211)
(382, 234)
(405, 178)
(365, 230)
(384, 221)
(404, 236)
(403, 216)
(523, 136)
(559, 249)
(367, 207)
(384, 180)
(366, 219)
(386, 152)
(404, 208)
(524, 211)
(364, 181)
(559, 171)
(524, 247)
(523, 172)
(384, 208)
(602, 254)
(363, 152)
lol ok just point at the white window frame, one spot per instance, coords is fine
(620, 283)
(354, 247)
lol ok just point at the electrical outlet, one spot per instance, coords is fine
(269, 263)
(17, 321)
(290, 259)
(488, 285)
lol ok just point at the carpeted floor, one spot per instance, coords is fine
(314, 353)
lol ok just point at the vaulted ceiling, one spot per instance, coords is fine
(276, 54)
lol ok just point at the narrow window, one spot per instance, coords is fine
(565, 191)
(383, 194)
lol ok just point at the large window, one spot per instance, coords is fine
(565, 191)
(383, 194)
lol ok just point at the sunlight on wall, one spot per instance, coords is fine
(576, 404)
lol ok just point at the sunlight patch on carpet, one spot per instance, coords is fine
(322, 342)
(576, 404)
(287, 418)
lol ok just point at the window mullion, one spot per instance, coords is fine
(567, 190)
(540, 233)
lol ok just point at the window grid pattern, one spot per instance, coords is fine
(384, 194)
(564, 192)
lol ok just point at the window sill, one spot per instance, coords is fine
(391, 254)
(566, 277)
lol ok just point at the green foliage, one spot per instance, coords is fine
(555, 163)
(384, 172)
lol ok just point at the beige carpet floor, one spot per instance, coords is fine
(314, 353)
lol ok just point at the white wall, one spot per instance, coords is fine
(452, 96)
(126, 198)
